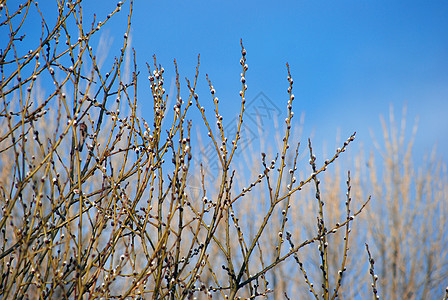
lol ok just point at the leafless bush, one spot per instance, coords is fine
(96, 200)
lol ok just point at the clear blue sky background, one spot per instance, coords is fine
(349, 59)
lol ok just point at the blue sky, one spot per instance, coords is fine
(350, 60)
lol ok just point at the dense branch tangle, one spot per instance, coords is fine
(94, 197)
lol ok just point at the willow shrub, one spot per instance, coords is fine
(96, 201)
